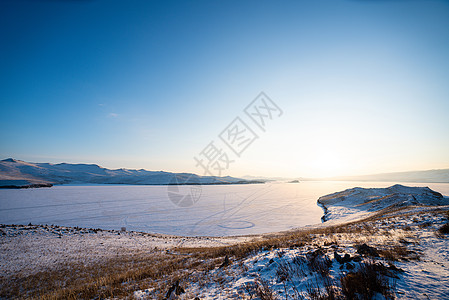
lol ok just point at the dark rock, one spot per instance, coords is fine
(344, 259)
(357, 259)
(392, 267)
(337, 257)
(174, 290)
(318, 261)
(226, 262)
(367, 250)
(349, 266)
(405, 242)
(317, 252)
(379, 267)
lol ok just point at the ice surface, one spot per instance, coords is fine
(221, 210)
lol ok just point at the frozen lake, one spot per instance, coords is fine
(219, 209)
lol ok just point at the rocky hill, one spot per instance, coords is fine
(359, 202)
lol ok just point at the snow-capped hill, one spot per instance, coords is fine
(17, 173)
(10, 160)
(357, 203)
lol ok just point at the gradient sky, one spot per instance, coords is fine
(364, 85)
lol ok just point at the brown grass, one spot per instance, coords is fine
(116, 277)
(366, 282)
(396, 253)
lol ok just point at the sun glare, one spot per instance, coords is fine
(327, 163)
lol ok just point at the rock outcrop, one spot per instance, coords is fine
(356, 202)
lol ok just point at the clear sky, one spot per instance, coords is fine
(363, 85)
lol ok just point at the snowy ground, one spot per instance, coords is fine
(399, 225)
(421, 272)
(28, 249)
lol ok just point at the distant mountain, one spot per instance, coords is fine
(436, 176)
(17, 173)
(265, 179)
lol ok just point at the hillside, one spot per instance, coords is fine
(358, 203)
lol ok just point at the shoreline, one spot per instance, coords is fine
(49, 185)
(27, 186)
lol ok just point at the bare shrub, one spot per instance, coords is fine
(262, 290)
(324, 291)
(319, 262)
(366, 282)
(399, 252)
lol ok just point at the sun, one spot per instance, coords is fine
(327, 163)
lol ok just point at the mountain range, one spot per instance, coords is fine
(20, 174)
(436, 176)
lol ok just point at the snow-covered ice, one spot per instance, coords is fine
(222, 210)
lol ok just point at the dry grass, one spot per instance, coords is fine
(120, 276)
(326, 292)
(398, 253)
(117, 277)
(261, 289)
(366, 282)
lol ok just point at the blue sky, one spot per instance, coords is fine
(363, 85)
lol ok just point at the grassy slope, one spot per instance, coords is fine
(198, 269)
